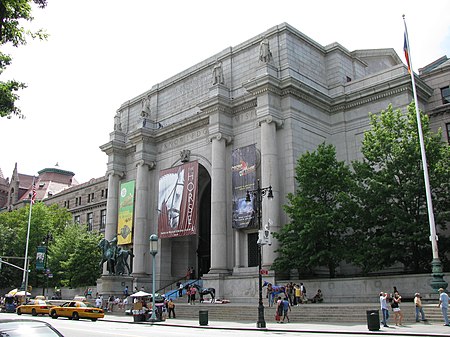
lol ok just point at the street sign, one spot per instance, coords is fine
(264, 272)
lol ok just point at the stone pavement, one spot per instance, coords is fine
(414, 329)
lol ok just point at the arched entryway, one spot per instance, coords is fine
(204, 228)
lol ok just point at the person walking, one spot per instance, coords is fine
(418, 305)
(269, 294)
(443, 303)
(180, 289)
(279, 310)
(298, 294)
(286, 308)
(384, 308)
(171, 308)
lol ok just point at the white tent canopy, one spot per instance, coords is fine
(140, 294)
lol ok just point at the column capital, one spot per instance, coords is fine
(151, 164)
(118, 173)
(219, 136)
(270, 119)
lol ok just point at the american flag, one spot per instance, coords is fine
(33, 193)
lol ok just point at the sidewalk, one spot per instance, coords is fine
(415, 329)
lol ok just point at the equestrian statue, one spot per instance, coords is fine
(116, 258)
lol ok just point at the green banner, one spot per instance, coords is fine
(40, 257)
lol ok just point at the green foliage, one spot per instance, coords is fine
(12, 13)
(74, 257)
(391, 225)
(316, 234)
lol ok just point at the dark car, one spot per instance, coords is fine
(27, 327)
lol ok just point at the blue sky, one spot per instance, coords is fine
(102, 53)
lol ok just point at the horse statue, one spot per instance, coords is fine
(122, 261)
(206, 291)
(108, 255)
(116, 258)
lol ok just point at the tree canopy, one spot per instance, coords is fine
(12, 14)
(372, 214)
(316, 235)
(392, 223)
(73, 255)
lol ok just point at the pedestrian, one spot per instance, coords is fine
(125, 303)
(279, 310)
(269, 294)
(290, 292)
(286, 307)
(318, 297)
(171, 308)
(98, 302)
(180, 289)
(304, 299)
(384, 308)
(193, 292)
(188, 293)
(418, 305)
(398, 315)
(125, 291)
(298, 294)
(443, 303)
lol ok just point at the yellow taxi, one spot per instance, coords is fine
(76, 310)
(34, 307)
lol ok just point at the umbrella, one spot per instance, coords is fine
(22, 293)
(13, 292)
(140, 294)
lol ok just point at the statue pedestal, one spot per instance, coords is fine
(114, 285)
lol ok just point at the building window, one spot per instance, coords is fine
(76, 219)
(106, 193)
(90, 221)
(103, 193)
(448, 132)
(102, 219)
(92, 197)
(445, 93)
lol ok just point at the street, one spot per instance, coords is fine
(122, 326)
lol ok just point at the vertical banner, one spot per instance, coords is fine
(177, 201)
(243, 179)
(40, 257)
(126, 213)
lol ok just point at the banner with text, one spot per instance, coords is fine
(40, 257)
(177, 201)
(243, 179)
(126, 213)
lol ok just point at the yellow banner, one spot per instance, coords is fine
(126, 213)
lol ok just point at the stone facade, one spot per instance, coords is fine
(286, 103)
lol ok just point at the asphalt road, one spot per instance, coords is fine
(122, 326)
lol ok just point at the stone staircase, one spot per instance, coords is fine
(346, 313)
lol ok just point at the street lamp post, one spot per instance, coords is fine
(47, 239)
(258, 195)
(153, 251)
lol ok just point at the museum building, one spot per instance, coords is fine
(186, 152)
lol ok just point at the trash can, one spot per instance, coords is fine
(373, 320)
(203, 317)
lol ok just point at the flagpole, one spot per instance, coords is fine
(25, 264)
(436, 265)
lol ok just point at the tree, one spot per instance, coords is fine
(392, 224)
(11, 14)
(14, 226)
(316, 233)
(74, 257)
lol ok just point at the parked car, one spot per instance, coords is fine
(27, 327)
(34, 307)
(76, 310)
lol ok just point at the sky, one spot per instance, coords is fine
(101, 53)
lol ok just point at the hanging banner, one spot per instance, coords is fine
(40, 257)
(126, 213)
(243, 180)
(177, 201)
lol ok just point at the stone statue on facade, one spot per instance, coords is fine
(218, 73)
(265, 55)
(116, 258)
(117, 123)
